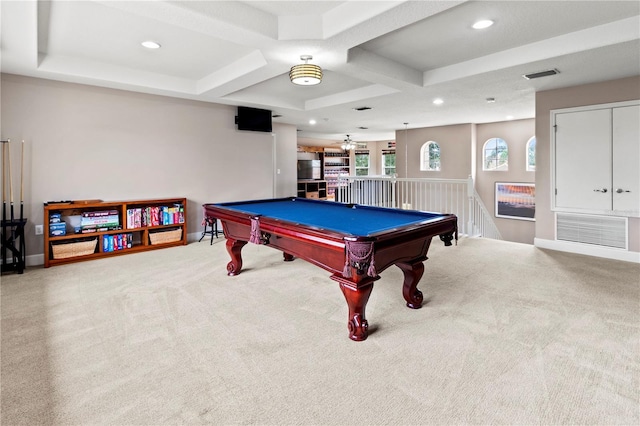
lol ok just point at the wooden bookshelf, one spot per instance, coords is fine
(78, 246)
(335, 165)
(309, 188)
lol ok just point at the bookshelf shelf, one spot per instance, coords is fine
(336, 163)
(107, 228)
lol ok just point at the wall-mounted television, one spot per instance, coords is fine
(254, 119)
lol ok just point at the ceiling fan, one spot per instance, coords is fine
(348, 144)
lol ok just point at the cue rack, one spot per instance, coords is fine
(12, 237)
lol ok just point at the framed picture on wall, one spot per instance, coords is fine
(515, 200)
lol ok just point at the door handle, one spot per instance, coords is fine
(620, 190)
(603, 190)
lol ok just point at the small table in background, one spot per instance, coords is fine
(212, 223)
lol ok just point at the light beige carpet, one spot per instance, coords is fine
(508, 334)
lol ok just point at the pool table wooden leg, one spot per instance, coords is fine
(412, 274)
(357, 296)
(287, 257)
(234, 248)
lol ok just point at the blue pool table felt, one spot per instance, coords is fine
(357, 220)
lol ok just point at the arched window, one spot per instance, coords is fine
(531, 154)
(430, 156)
(495, 155)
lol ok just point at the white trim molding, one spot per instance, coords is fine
(34, 260)
(588, 249)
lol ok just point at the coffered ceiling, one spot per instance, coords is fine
(394, 57)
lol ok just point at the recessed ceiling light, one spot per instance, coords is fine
(491, 100)
(438, 101)
(312, 121)
(149, 44)
(509, 117)
(480, 25)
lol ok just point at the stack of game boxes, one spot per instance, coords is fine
(98, 221)
(57, 227)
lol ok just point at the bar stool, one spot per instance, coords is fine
(211, 223)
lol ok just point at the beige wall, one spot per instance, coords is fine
(626, 89)
(375, 157)
(286, 160)
(455, 151)
(463, 145)
(375, 149)
(516, 134)
(84, 142)
(461, 157)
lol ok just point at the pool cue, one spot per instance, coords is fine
(10, 179)
(4, 186)
(22, 182)
(4, 211)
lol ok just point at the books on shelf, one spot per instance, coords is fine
(115, 242)
(155, 216)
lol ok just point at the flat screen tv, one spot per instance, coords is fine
(254, 119)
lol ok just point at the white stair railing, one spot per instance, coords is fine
(457, 196)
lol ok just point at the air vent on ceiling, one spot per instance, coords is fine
(607, 231)
(362, 128)
(541, 74)
(362, 108)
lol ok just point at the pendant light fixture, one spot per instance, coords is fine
(305, 74)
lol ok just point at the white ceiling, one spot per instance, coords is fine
(392, 56)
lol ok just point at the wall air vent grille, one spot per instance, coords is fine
(606, 231)
(546, 73)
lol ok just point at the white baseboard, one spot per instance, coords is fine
(193, 237)
(34, 259)
(588, 249)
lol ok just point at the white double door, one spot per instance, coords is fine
(597, 160)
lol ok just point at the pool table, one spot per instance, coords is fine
(353, 242)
